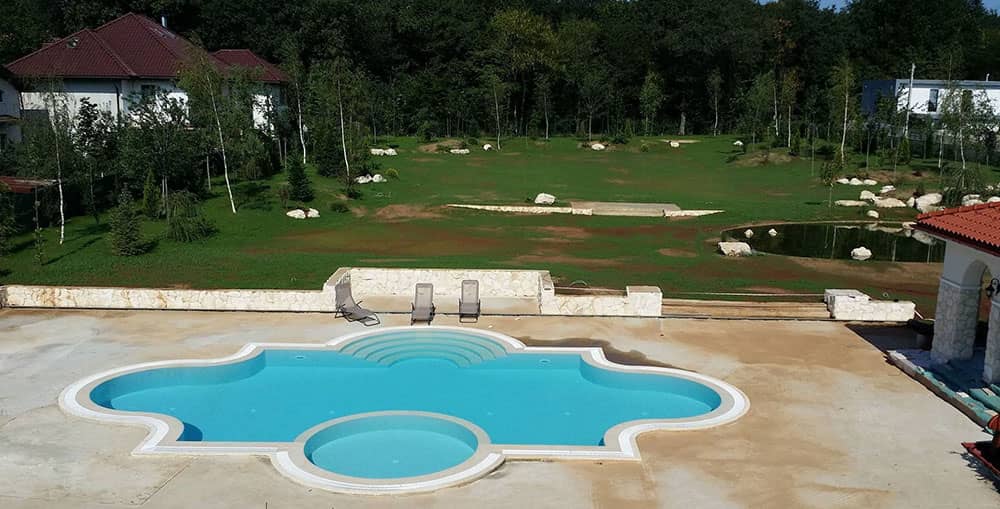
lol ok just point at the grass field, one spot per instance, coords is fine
(402, 223)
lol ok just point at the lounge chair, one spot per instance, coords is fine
(423, 303)
(468, 303)
(352, 311)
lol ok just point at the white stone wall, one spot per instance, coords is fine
(955, 321)
(852, 305)
(637, 301)
(401, 282)
(153, 298)
(991, 367)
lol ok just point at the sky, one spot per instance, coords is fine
(990, 4)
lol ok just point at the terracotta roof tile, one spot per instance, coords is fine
(82, 54)
(246, 58)
(977, 225)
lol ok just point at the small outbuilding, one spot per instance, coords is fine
(971, 269)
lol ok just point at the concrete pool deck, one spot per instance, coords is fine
(832, 424)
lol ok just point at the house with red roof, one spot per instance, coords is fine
(131, 56)
(970, 274)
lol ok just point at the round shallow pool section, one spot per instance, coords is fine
(403, 409)
(391, 446)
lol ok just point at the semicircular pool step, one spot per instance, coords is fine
(388, 349)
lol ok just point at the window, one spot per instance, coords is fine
(1, 96)
(148, 91)
(932, 101)
(3, 142)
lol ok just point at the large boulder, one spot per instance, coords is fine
(459, 151)
(597, 146)
(867, 195)
(389, 152)
(487, 147)
(544, 199)
(889, 203)
(737, 143)
(887, 189)
(911, 202)
(971, 199)
(378, 178)
(861, 253)
(312, 213)
(993, 199)
(844, 180)
(851, 203)
(772, 232)
(855, 181)
(869, 182)
(675, 144)
(872, 214)
(377, 152)
(363, 179)
(928, 202)
(296, 214)
(748, 233)
(735, 248)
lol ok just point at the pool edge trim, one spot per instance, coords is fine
(620, 441)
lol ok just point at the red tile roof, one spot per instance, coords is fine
(20, 185)
(131, 46)
(977, 226)
(270, 73)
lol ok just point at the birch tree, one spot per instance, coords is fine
(650, 98)
(62, 150)
(841, 91)
(714, 91)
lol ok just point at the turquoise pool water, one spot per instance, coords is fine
(515, 397)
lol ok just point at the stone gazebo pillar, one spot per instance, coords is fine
(991, 366)
(955, 322)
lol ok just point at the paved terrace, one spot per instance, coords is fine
(832, 425)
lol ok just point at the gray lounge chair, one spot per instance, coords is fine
(423, 303)
(352, 311)
(468, 303)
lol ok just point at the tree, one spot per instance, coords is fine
(8, 226)
(94, 136)
(152, 203)
(828, 176)
(185, 221)
(714, 91)
(56, 102)
(757, 102)
(125, 235)
(292, 57)
(789, 91)
(841, 91)
(650, 98)
(299, 186)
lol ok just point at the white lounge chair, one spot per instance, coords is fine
(468, 304)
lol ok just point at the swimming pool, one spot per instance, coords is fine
(403, 409)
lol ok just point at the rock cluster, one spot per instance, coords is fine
(544, 199)
(735, 248)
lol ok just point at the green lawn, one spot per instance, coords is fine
(402, 224)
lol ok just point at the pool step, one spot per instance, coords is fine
(741, 309)
(391, 348)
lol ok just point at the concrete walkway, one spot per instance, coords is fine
(832, 425)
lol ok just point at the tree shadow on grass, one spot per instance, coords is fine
(77, 249)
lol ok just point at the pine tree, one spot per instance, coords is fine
(298, 182)
(150, 196)
(126, 239)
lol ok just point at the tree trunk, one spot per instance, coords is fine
(62, 207)
(222, 147)
(715, 125)
(343, 139)
(961, 146)
(302, 135)
(789, 126)
(208, 172)
(775, 90)
(843, 134)
(681, 131)
(545, 107)
(496, 104)
(590, 124)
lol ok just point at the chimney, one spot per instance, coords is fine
(163, 21)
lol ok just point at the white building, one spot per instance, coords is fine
(118, 63)
(10, 111)
(926, 96)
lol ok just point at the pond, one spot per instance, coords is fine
(887, 241)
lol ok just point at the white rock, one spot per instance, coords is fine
(926, 202)
(851, 203)
(873, 214)
(487, 147)
(909, 225)
(772, 232)
(735, 248)
(377, 152)
(993, 199)
(459, 151)
(887, 189)
(363, 179)
(296, 214)
(597, 146)
(377, 178)
(867, 195)
(675, 144)
(390, 152)
(861, 253)
(545, 199)
(889, 203)
(869, 182)
(971, 199)
(737, 143)
(922, 237)
(844, 181)
(911, 202)
(855, 181)
(312, 213)
(748, 233)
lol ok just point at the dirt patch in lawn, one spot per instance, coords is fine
(682, 142)
(545, 260)
(677, 253)
(391, 213)
(566, 232)
(431, 148)
(359, 210)
(758, 159)
(389, 240)
(425, 160)
(617, 182)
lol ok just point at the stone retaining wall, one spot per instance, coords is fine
(401, 282)
(852, 305)
(156, 298)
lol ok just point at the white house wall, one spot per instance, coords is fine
(10, 105)
(921, 95)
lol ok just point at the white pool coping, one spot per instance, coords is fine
(289, 459)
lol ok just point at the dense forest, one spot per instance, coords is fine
(437, 64)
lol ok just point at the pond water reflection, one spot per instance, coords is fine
(887, 241)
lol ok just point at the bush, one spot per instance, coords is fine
(126, 238)
(299, 187)
(150, 196)
(353, 192)
(619, 139)
(393, 145)
(339, 207)
(425, 131)
(826, 151)
(185, 222)
(392, 173)
(284, 194)
(473, 142)
(644, 147)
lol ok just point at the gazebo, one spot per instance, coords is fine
(972, 237)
